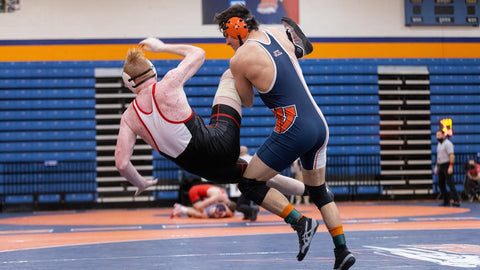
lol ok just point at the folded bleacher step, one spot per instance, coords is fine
(404, 132)
(112, 98)
(108, 106)
(404, 112)
(421, 182)
(392, 162)
(392, 142)
(419, 162)
(112, 147)
(392, 182)
(405, 152)
(108, 127)
(417, 102)
(125, 199)
(134, 157)
(405, 172)
(110, 189)
(115, 95)
(403, 92)
(108, 117)
(418, 122)
(410, 191)
(405, 108)
(108, 85)
(113, 168)
(391, 122)
(108, 179)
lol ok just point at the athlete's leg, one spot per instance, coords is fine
(443, 186)
(253, 186)
(257, 170)
(227, 93)
(287, 185)
(245, 206)
(315, 179)
(315, 182)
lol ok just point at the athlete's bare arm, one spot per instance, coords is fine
(192, 61)
(238, 67)
(252, 67)
(123, 152)
(169, 93)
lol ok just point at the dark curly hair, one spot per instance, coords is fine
(236, 11)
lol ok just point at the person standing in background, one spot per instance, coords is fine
(444, 169)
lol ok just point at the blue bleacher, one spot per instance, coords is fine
(48, 125)
(458, 119)
(48, 167)
(455, 99)
(353, 139)
(353, 120)
(453, 69)
(315, 68)
(458, 89)
(343, 89)
(49, 198)
(455, 79)
(47, 113)
(341, 79)
(192, 91)
(47, 104)
(346, 100)
(47, 93)
(454, 109)
(46, 83)
(48, 135)
(39, 146)
(80, 197)
(47, 130)
(47, 73)
(354, 150)
(258, 121)
(41, 156)
(459, 129)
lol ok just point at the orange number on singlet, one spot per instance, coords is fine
(285, 117)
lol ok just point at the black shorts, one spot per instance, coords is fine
(213, 152)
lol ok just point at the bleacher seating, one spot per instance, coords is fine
(47, 121)
(455, 94)
(47, 132)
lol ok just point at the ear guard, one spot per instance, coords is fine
(237, 28)
(129, 82)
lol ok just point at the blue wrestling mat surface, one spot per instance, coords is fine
(422, 236)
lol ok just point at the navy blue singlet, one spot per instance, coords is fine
(300, 129)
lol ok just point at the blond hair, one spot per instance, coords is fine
(136, 64)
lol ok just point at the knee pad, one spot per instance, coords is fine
(321, 195)
(253, 190)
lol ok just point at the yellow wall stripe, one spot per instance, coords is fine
(222, 51)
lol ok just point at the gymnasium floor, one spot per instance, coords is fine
(383, 235)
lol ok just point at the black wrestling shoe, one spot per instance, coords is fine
(254, 212)
(306, 229)
(344, 259)
(456, 204)
(303, 46)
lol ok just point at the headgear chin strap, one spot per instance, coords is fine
(130, 82)
(237, 28)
